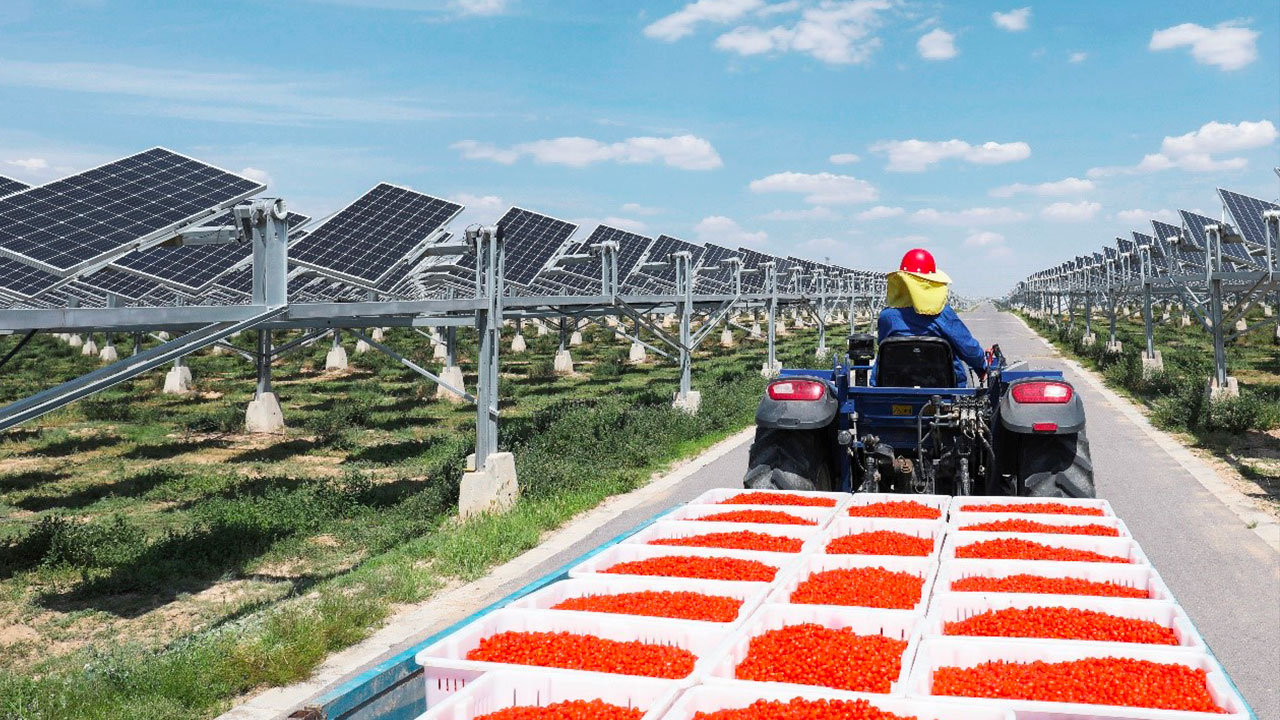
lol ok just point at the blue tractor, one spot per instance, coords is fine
(1015, 432)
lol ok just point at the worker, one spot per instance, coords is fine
(916, 304)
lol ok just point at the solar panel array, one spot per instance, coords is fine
(9, 185)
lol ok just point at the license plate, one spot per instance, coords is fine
(904, 410)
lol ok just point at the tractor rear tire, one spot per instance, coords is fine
(788, 460)
(1055, 466)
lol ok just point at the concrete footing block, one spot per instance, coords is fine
(1242, 325)
(75, 341)
(264, 415)
(518, 344)
(780, 327)
(575, 338)
(726, 338)
(218, 350)
(768, 371)
(1214, 392)
(108, 354)
(336, 359)
(1152, 365)
(491, 489)
(1115, 347)
(542, 329)
(638, 353)
(564, 362)
(378, 335)
(439, 352)
(89, 348)
(691, 403)
(1089, 339)
(822, 353)
(1267, 311)
(1184, 321)
(451, 374)
(755, 330)
(362, 347)
(178, 381)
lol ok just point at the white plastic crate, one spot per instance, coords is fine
(496, 691)
(963, 519)
(923, 567)
(963, 503)
(1116, 547)
(953, 607)
(715, 496)
(726, 696)
(940, 502)
(818, 516)
(688, 528)
(967, 652)
(841, 526)
(446, 665)
(751, 594)
(1134, 576)
(597, 564)
(897, 624)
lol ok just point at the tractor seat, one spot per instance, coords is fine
(915, 361)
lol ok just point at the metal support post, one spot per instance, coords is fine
(1213, 266)
(489, 266)
(771, 286)
(684, 286)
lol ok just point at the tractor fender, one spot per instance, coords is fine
(1022, 418)
(798, 414)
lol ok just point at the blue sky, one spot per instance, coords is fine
(1005, 137)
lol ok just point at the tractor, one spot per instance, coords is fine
(891, 420)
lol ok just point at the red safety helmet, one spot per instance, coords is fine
(920, 261)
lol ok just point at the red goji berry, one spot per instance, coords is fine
(863, 587)
(575, 651)
(1047, 586)
(1020, 525)
(1094, 681)
(1043, 508)
(1018, 549)
(901, 509)
(568, 710)
(766, 498)
(1061, 623)
(740, 540)
(880, 542)
(709, 568)
(801, 709)
(683, 605)
(771, 517)
(811, 654)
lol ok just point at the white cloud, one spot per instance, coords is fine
(978, 216)
(725, 231)
(983, 238)
(937, 44)
(843, 159)
(907, 241)
(629, 224)
(1137, 216)
(684, 21)
(818, 188)
(687, 152)
(1228, 45)
(487, 204)
(880, 212)
(481, 7)
(917, 155)
(814, 213)
(254, 173)
(638, 209)
(1066, 186)
(30, 164)
(834, 32)
(1194, 150)
(1071, 212)
(1078, 57)
(1014, 20)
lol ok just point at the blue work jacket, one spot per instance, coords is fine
(946, 325)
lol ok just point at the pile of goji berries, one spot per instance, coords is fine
(863, 587)
(707, 568)
(811, 654)
(683, 605)
(740, 540)
(900, 509)
(1044, 508)
(1047, 586)
(770, 517)
(1060, 623)
(1022, 525)
(764, 498)
(567, 710)
(880, 542)
(1018, 549)
(1096, 681)
(575, 651)
(801, 709)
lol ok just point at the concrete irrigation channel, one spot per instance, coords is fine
(1223, 568)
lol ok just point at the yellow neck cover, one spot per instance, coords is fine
(909, 290)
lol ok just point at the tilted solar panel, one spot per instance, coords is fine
(23, 280)
(117, 282)
(366, 240)
(717, 275)
(9, 185)
(68, 225)
(531, 241)
(1247, 213)
(660, 252)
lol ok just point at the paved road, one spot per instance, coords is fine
(1223, 574)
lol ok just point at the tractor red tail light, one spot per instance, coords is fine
(796, 390)
(1042, 392)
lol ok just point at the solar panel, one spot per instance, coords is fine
(531, 241)
(754, 260)
(23, 280)
(661, 251)
(9, 186)
(70, 224)
(116, 282)
(1247, 213)
(367, 239)
(586, 278)
(719, 279)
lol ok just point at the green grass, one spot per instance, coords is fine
(162, 564)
